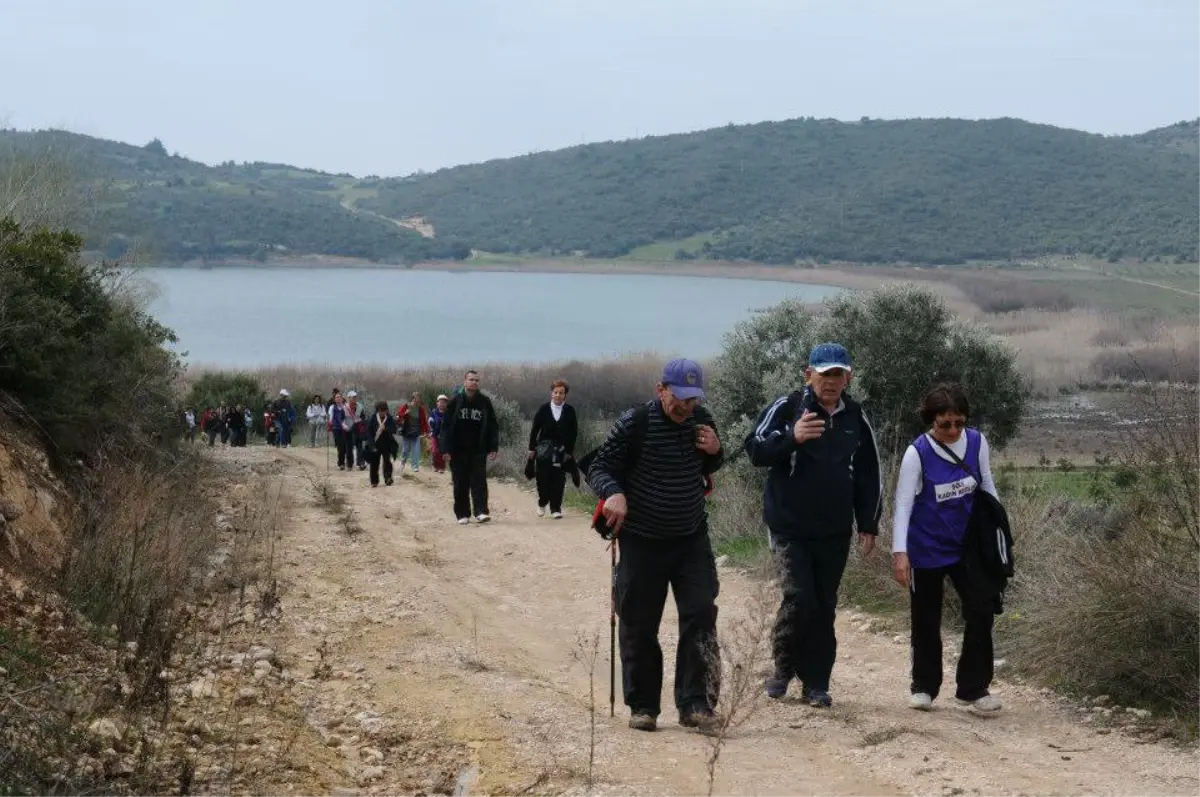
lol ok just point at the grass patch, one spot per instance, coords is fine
(743, 551)
(21, 657)
(665, 250)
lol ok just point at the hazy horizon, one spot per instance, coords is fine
(391, 87)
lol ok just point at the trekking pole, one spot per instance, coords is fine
(612, 633)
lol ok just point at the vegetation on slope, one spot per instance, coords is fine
(177, 209)
(925, 190)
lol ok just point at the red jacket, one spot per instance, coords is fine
(422, 420)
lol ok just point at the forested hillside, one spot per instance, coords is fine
(922, 190)
(173, 208)
(936, 190)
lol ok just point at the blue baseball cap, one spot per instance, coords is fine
(685, 377)
(827, 356)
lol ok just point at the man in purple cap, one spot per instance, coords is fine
(651, 472)
(824, 480)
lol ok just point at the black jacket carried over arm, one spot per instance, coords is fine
(824, 486)
(562, 432)
(477, 410)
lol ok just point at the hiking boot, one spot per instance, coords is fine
(482, 517)
(643, 722)
(921, 701)
(701, 718)
(817, 698)
(777, 686)
(983, 706)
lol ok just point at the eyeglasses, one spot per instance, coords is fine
(947, 425)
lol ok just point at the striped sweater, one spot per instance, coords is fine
(665, 490)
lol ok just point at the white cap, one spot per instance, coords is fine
(443, 396)
(283, 392)
(352, 394)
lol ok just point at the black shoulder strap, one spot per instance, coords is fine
(958, 460)
(637, 435)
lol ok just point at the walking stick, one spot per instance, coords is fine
(612, 633)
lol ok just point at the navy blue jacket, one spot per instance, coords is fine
(824, 486)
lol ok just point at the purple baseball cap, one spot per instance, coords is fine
(685, 377)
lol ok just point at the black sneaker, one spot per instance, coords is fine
(817, 698)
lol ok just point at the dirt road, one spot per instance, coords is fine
(465, 637)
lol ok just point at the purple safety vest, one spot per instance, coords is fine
(943, 507)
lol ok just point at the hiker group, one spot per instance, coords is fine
(823, 487)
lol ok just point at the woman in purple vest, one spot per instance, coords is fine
(934, 496)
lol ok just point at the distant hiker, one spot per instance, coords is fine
(316, 419)
(341, 423)
(381, 443)
(651, 473)
(935, 493)
(357, 414)
(236, 420)
(824, 478)
(270, 428)
(436, 416)
(285, 416)
(552, 447)
(413, 421)
(223, 413)
(211, 422)
(470, 436)
(189, 421)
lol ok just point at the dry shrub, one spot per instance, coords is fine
(138, 548)
(1149, 364)
(1005, 294)
(1109, 600)
(600, 387)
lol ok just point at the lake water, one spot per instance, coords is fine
(248, 316)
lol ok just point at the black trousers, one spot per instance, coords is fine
(975, 664)
(646, 569)
(375, 458)
(551, 482)
(805, 645)
(343, 442)
(468, 472)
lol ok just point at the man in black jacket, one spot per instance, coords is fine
(654, 499)
(824, 479)
(470, 436)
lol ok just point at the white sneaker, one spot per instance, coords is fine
(556, 515)
(541, 511)
(482, 518)
(988, 704)
(921, 701)
(462, 521)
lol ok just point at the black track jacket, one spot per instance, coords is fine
(824, 486)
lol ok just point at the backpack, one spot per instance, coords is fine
(637, 436)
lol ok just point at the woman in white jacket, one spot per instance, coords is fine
(316, 420)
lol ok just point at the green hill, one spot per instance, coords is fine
(178, 209)
(921, 190)
(927, 190)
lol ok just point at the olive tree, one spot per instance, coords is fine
(903, 340)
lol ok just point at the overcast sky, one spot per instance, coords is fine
(391, 86)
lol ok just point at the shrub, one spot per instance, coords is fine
(78, 359)
(903, 340)
(217, 388)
